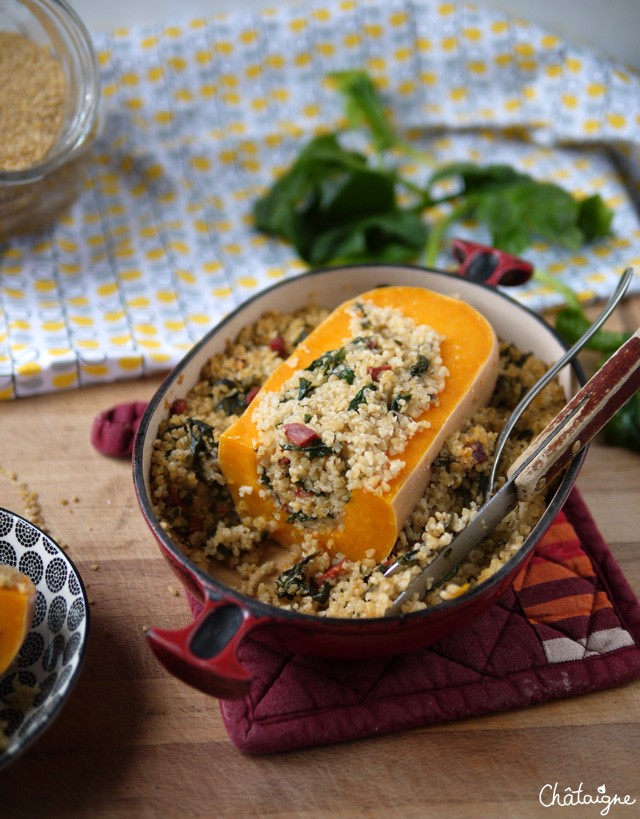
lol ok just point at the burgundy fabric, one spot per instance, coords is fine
(113, 430)
(528, 648)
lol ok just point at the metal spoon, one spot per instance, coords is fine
(550, 452)
(549, 375)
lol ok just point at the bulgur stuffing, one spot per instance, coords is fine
(335, 426)
(196, 510)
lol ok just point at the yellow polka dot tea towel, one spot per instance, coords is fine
(199, 117)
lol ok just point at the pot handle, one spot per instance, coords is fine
(204, 654)
(488, 265)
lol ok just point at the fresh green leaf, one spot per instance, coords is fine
(476, 177)
(334, 206)
(623, 429)
(523, 210)
(518, 209)
(573, 324)
(280, 210)
(395, 236)
(594, 217)
(364, 107)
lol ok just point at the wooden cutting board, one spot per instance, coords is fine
(133, 741)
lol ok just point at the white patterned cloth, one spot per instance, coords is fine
(199, 117)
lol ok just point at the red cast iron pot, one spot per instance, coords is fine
(205, 653)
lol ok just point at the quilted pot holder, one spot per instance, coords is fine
(570, 624)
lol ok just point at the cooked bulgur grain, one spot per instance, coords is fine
(195, 507)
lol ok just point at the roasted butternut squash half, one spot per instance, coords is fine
(336, 448)
(17, 602)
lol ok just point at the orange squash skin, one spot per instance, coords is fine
(372, 521)
(17, 601)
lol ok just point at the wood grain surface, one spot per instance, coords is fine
(133, 741)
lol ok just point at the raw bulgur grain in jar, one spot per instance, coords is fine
(32, 101)
(195, 507)
(49, 95)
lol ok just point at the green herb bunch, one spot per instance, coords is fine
(336, 205)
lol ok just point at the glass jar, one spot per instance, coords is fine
(33, 196)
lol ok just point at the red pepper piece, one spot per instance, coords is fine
(251, 395)
(301, 492)
(195, 524)
(375, 371)
(174, 499)
(477, 452)
(179, 406)
(278, 346)
(300, 435)
(114, 430)
(332, 572)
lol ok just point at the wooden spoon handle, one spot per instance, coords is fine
(582, 418)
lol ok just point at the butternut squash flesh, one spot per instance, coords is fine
(17, 602)
(372, 521)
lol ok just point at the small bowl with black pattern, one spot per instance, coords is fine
(35, 687)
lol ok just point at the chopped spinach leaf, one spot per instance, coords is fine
(301, 336)
(399, 401)
(360, 397)
(232, 404)
(305, 387)
(409, 558)
(203, 449)
(421, 366)
(314, 449)
(327, 362)
(293, 582)
(299, 517)
(225, 382)
(345, 373)
(443, 460)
